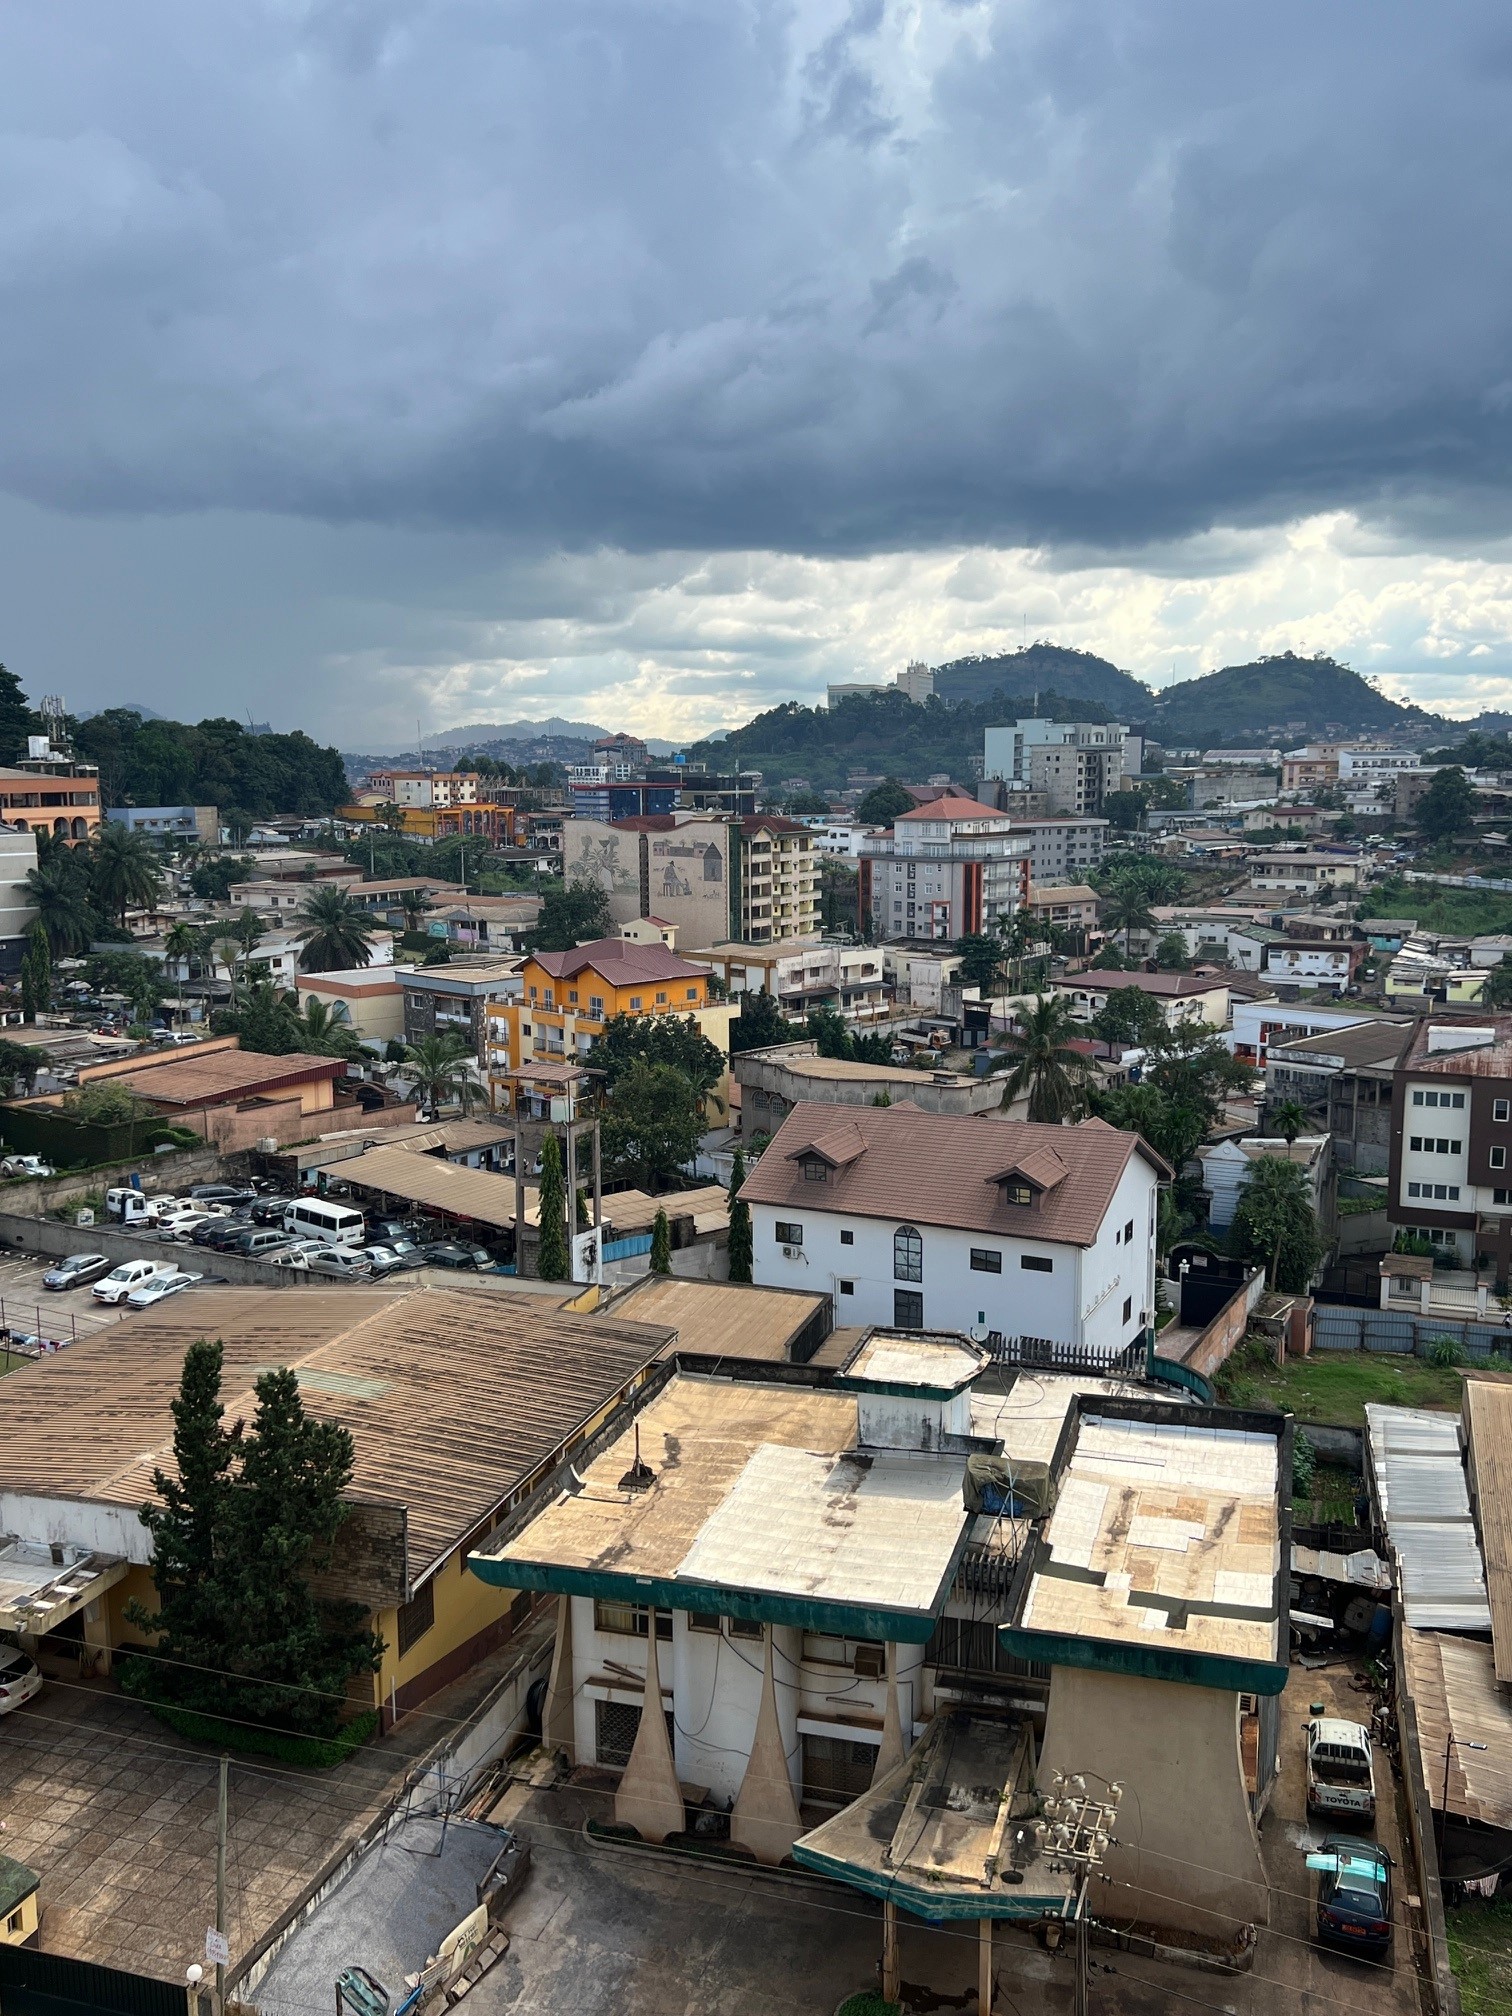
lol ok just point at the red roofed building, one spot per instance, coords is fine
(948, 868)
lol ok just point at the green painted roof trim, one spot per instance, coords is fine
(842, 1620)
(925, 1902)
(1145, 1662)
(17, 1883)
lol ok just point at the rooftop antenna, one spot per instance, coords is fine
(640, 1476)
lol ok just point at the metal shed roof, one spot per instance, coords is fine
(1419, 1480)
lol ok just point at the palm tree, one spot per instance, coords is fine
(334, 932)
(1126, 908)
(123, 870)
(1497, 992)
(414, 903)
(59, 894)
(326, 1029)
(1289, 1120)
(182, 945)
(248, 931)
(440, 1068)
(1045, 1065)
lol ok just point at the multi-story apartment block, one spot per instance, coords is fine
(948, 868)
(425, 790)
(1451, 1139)
(566, 998)
(1077, 764)
(1060, 849)
(779, 880)
(48, 792)
(1315, 768)
(806, 973)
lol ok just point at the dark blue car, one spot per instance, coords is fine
(1354, 1895)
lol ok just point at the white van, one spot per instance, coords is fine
(313, 1218)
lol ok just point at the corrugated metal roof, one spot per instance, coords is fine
(475, 1194)
(452, 1399)
(1452, 1684)
(1419, 1480)
(723, 1317)
(1488, 1418)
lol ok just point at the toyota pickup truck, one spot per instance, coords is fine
(1340, 1773)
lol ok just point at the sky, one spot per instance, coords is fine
(374, 363)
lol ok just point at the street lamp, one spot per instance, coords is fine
(1453, 1743)
(193, 1975)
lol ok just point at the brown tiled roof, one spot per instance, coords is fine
(953, 808)
(620, 961)
(936, 1169)
(769, 822)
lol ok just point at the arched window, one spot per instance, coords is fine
(908, 1254)
(81, 829)
(60, 828)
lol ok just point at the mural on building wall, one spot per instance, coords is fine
(594, 853)
(688, 881)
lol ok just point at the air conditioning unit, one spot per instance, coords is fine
(869, 1662)
(792, 1252)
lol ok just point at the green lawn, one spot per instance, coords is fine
(1480, 1951)
(1334, 1386)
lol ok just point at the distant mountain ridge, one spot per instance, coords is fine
(1043, 668)
(553, 728)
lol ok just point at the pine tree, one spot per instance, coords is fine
(238, 1530)
(661, 1245)
(583, 1219)
(553, 1262)
(741, 1245)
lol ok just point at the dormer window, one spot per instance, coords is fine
(1018, 1193)
(814, 1171)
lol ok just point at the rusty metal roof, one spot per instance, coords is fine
(723, 1318)
(452, 1398)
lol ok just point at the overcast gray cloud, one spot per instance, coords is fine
(492, 284)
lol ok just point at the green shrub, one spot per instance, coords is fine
(868, 2003)
(316, 1752)
(1443, 1353)
(1304, 1465)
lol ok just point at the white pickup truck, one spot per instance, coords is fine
(1340, 1773)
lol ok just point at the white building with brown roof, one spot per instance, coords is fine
(922, 1221)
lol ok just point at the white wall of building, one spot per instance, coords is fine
(1078, 1301)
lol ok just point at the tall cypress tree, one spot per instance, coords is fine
(661, 1245)
(741, 1247)
(553, 1262)
(238, 1530)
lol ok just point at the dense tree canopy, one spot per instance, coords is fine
(215, 762)
(572, 913)
(656, 1039)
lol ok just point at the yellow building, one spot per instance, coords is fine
(18, 1902)
(373, 997)
(439, 1460)
(567, 997)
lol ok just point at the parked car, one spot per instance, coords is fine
(172, 1211)
(76, 1271)
(389, 1259)
(1354, 1895)
(448, 1253)
(219, 1234)
(26, 1165)
(221, 1193)
(1340, 1774)
(296, 1253)
(124, 1280)
(269, 1210)
(341, 1263)
(256, 1242)
(389, 1231)
(161, 1287)
(185, 1224)
(20, 1678)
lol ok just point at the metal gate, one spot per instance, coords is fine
(47, 1984)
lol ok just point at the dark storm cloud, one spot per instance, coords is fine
(701, 274)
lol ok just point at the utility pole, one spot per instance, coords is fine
(220, 1885)
(1076, 1832)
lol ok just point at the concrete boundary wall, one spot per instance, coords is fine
(158, 1173)
(50, 1238)
(441, 1779)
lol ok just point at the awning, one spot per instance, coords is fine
(39, 1591)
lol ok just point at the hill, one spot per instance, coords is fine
(882, 734)
(554, 728)
(1282, 699)
(1078, 676)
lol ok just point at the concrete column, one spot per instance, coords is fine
(890, 1984)
(1385, 1291)
(895, 1745)
(1482, 1296)
(649, 1798)
(1425, 1297)
(557, 1726)
(765, 1815)
(984, 1967)
(97, 1636)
